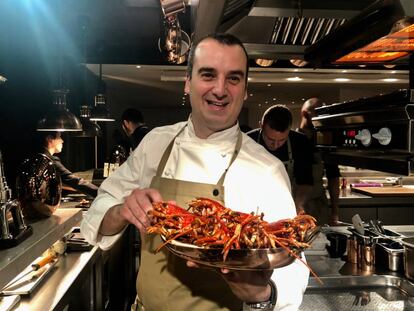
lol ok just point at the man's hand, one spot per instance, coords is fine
(248, 286)
(133, 210)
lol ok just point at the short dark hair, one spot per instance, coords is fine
(278, 117)
(43, 137)
(132, 115)
(223, 38)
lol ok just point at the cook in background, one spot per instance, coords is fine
(320, 168)
(52, 143)
(289, 146)
(134, 126)
(208, 156)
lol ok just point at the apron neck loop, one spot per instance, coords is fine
(234, 156)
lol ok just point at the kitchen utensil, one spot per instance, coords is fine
(238, 259)
(389, 255)
(358, 224)
(36, 266)
(337, 245)
(408, 244)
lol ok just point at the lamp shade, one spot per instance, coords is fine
(89, 128)
(59, 118)
(100, 112)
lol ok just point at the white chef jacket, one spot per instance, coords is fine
(255, 182)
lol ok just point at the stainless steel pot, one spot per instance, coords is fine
(408, 257)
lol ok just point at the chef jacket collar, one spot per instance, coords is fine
(229, 134)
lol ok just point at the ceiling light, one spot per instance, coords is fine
(100, 112)
(390, 80)
(341, 79)
(389, 66)
(2, 79)
(138, 66)
(264, 62)
(251, 94)
(269, 84)
(59, 118)
(89, 128)
(294, 79)
(299, 62)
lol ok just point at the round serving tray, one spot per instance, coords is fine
(238, 259)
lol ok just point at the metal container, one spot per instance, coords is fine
(408, 257)
(389, 255)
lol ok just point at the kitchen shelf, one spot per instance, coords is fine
(45, 232)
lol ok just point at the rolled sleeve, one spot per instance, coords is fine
(92, 221)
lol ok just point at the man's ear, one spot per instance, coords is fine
(187, 85)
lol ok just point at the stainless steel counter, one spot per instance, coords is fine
(51, 292)
(345, 287)
(45, 233)
(354, 199)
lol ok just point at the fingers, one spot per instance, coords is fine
(136, 206)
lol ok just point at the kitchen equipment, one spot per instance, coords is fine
(352, 249)
(389, 255)
(370, 132)
(238, 259)
(358, 224)
(7, 303)
(338, 243)
(385, 191)
(408, 244)
(13, 228)
(28, 280)
(39, 188)
(34, 267)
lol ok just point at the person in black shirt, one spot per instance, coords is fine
(134, 127)
(53, 144)
(289, 146)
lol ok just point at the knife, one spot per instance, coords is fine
(36, 266)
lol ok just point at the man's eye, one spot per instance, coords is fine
(207, 75)
(234, 79)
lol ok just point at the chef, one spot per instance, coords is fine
(206, 156)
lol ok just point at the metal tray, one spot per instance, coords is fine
(240, 259)
(27, 284)
(376, 292)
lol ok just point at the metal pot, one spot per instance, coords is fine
(408, 244)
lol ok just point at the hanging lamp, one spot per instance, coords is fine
(100, 111)
(59, 118)
(89, 128)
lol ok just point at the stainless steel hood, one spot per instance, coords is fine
(273, 29)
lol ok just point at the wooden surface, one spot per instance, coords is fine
(385, 191)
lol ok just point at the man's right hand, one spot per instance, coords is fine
(134, 210)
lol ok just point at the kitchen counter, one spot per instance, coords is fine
(347, 197)
(45, 232)
(345, 287)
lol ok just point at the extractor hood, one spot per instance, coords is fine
(273, 29)
(381, 33)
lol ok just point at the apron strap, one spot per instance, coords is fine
(235, 153)
(166, 154)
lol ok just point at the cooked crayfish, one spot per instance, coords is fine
(208, 223)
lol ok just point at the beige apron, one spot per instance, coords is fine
(164, 281)
(317, 205)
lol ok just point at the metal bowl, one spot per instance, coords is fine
(238, 259)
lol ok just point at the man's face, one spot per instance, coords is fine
(217, 86)
(274, 139)
(56, 144)
(126, 127)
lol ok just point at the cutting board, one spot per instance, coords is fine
(384, 191)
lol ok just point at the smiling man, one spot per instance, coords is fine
(205, 156)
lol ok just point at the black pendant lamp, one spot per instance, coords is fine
(59, 118)
(100, 111)
(89, 128)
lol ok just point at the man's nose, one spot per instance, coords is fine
(220, 87)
